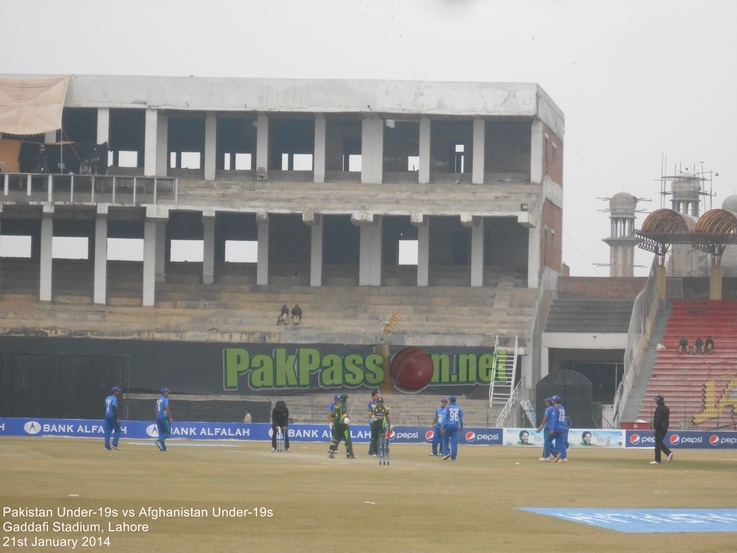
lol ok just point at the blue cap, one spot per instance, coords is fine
(556, 398)
(337, 397)
(548, 400)
(452, 399)
(444, 400)
(164, 390)
(114, 389)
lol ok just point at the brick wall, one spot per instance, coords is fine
(552, 156)
(617, 288)
(551, 236)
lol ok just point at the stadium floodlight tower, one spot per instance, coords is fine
(622, 241)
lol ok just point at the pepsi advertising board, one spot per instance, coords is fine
(688, 439)
(140, 430)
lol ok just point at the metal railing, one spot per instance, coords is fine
(114, 189)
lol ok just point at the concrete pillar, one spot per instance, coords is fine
(425, 155)
(47, 237)
(162, 145)
(477, 252)
(537, 142)
(423, 252)
(150, 230)
(262, 260)
(533, 257)
(160, 251)
(156, 144)
(372, 151)
(151, 142)
(262, 142)
(318, 159)
(544, 362)
(103, 125)
(479, 151)
(211, 123)
(208, 260)
(715, 282)
(100, 286)
(660, 280)
(369, 270)
(316, 254)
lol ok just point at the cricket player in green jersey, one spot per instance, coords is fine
(339, 418)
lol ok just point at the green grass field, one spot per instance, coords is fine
(418, 503)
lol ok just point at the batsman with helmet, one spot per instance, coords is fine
(339, 418)
(380, 423)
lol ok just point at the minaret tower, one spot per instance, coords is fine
(622, 241)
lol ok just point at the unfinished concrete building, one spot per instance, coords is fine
(355, 198)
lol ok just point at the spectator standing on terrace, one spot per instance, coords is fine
(661, 421)
(437, 423)
(42, 165)
(698, 346)
(283, 315)
(709, 345)
(296, 314)
(280, 420)
(683, 345)
(112, 419)
(451, 426)
(247, 417)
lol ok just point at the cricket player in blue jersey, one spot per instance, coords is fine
(562, 425)
(163, 418)
(437, 423)
(112, 419)
(546, 427)
(450, 427)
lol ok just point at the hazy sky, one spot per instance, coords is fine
(637, 80)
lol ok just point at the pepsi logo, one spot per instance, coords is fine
(635, 439)
(429, 435)
(675, 439)
(470, 436)
(713, 440)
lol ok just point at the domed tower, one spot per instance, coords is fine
(622, 241)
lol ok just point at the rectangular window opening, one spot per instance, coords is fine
(190, 251)
(69, 247)
(15, 246)
(303, 162)
(127, 159)
(408, 252)
(241, 251)
(125, 249)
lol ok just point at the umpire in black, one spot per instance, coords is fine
(661, 421)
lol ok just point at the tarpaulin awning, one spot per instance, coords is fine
(31, 106)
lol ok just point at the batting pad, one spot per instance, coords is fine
(648, 520)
